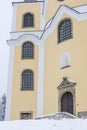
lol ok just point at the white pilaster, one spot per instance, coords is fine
(42, 17)
(9, 84)
(40, 98)
(14, 18)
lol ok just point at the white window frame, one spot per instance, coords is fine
(65, 60)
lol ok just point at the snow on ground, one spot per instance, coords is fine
(45, 124)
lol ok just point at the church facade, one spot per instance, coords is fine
(48, 59)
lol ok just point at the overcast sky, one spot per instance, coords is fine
(5, 29)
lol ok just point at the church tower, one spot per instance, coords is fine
(24, 65)
(47, 66)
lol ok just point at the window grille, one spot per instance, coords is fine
(65, 30)
(28, 50)
(25, 115)
(27, 80)
(28, 20)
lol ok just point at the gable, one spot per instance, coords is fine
(63, 11)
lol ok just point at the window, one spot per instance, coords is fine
(28, 20)
(28, 50)
(27, 80)
(65, 30)
(65, 60)
(25, 115)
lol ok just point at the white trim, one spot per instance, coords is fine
(16, 35)
(40, 0)
(43, 15)
(26, 3)
(9, 84)
(14, 18)
(24, 38)
(45, 6)
(40, 81)
(42, 18)
(81, 8)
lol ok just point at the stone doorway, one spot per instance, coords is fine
(66, 95)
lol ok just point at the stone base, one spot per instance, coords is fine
(82, 114)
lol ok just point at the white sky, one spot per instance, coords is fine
(5, 29)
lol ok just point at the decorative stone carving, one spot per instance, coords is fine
(66, 83)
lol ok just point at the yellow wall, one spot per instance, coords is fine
(53, 6)
(22, 9)
(77, 47)
(23, 101)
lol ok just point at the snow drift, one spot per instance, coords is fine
(45, 124)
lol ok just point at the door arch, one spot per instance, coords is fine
(67, 102)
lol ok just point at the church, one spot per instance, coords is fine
(48, 59)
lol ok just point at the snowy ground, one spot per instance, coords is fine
(45, 124)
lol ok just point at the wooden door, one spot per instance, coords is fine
(67, 103)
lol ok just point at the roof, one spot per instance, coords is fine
(81, 9)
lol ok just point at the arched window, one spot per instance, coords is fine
(65, 30)
(65, 60)
(27, 80)
(28, 50)
(28, 20)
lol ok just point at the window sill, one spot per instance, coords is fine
(27, 90)
(60, 0)
(27, 58)
(65, 66)
(28, 27)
